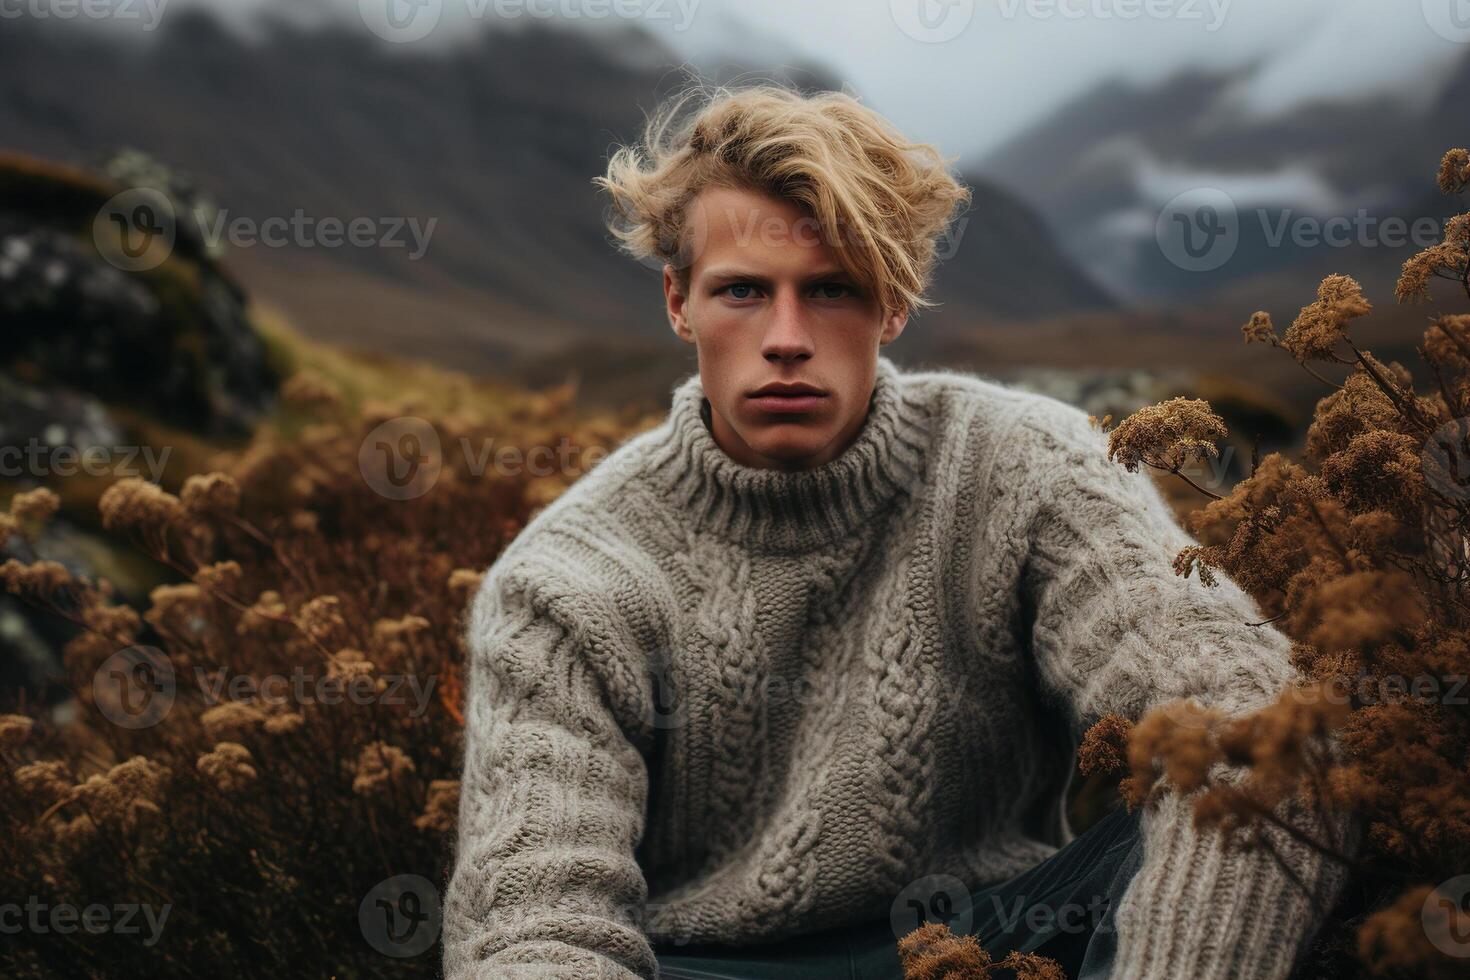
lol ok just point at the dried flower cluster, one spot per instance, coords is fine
(1450, 259)
(1166, 436)
(932, 952)
(311, 747)
(1360, 552)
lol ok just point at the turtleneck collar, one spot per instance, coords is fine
(792, 510)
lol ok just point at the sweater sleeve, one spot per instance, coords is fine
(1115, 629)
(544, 882)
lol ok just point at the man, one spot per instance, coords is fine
(815, 653)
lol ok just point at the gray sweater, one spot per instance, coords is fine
(709, 702)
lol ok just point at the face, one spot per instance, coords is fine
(787, 342)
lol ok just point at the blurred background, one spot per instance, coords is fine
(463, 134)
(280, 280)
(194, 194)
(192, 190)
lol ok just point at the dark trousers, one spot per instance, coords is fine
(1061, 908)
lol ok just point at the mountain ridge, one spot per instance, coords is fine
(498, 139)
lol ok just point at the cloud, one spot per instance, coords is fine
(1012, 61)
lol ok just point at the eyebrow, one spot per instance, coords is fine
(734, 274)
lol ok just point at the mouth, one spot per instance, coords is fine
(788, 396)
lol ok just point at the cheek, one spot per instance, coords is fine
(716, 329)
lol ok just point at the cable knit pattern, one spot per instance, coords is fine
(709, 702)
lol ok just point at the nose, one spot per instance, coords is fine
(786, 337)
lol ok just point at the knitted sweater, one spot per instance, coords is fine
(711, 702)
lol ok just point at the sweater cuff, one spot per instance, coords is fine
(550, 960)
(1201, 909)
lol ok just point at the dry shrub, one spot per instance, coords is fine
(1360, 552)
(311, 748)
(932, 952)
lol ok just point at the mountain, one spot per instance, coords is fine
(1103, 167)
(494, 140)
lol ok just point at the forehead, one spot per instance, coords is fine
(756, 229)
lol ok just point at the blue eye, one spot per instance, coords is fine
(826, 290)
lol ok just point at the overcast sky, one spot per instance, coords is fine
(968, 73)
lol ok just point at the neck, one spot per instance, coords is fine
(792, 510)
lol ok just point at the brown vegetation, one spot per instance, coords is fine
(311, 647)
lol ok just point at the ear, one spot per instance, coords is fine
(893, 324)
(675, 302)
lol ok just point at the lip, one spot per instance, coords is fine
(787, 389)
(788, 403)
(788, 397)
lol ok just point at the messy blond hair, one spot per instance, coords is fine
(889, 199)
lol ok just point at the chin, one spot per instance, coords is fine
(790, 447)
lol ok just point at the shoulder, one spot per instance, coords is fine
(1060, 429)
(580, 559)
(1006, 418)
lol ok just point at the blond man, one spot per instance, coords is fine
(805, 666)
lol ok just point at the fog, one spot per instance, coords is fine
(969, 74)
